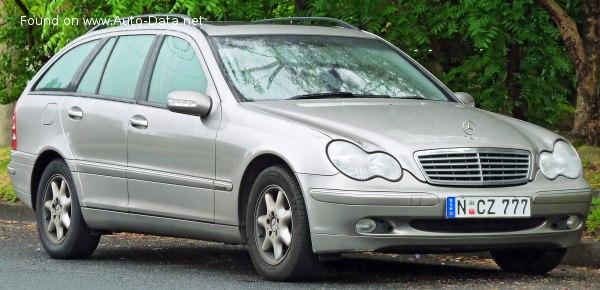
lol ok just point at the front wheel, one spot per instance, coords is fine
(63, 232)
(277, 228)
(529, 261)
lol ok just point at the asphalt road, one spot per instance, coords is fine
(127, 261)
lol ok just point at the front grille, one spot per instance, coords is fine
(475, 166)
(495, 225)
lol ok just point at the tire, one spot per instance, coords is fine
(57, 207)
(296, 260)
(528, 261)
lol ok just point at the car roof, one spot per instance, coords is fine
(273, 26)
(248, 28)
(241, 28)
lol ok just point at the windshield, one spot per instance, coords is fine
(279, 67)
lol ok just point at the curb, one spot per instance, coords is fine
(16, 212)
(585, 254)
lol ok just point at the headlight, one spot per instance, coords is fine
(354, 162)
(563, 160)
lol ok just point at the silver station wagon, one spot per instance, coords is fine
(301, 141)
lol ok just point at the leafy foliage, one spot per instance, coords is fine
(19, 60)
(464, 43)
(593, 221)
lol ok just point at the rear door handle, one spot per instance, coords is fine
(75, 113)
(139, 122)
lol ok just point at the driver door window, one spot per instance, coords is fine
(177, 69)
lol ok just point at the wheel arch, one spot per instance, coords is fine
(252, 170)
(40, 164)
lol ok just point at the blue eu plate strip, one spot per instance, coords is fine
(450, 207)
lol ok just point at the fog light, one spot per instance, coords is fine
(569, 222)
(365, 226)
(573, 222)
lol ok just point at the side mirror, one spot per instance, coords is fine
(189, 102)
(465, 98)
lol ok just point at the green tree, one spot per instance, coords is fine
(508, 54)
(582, 41)
(21, 55)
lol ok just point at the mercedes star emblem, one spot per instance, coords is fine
(468, 127)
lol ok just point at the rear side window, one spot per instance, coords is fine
(58, 77)
(124, 65)
(177, 69)
(91, 78)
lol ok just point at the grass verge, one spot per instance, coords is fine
(6, 191)
(590, 157)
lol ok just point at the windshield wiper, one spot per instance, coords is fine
(412, 97)
(336, 95)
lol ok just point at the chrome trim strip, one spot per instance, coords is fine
(142, 174)
(71, 164)
(373, 198)
(101, 168)
(169, 178)
(222, 185)
(22, 157)
(583, 195)
(25, 154)
(476, 152)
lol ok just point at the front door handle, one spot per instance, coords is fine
(139, 122)
(75, 113)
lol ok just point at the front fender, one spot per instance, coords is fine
(245, 134)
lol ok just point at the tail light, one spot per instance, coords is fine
(14, 130)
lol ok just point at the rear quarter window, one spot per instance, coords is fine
(59, 75)
(91, 78)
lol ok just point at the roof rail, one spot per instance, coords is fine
(146, 17)
(300, 19)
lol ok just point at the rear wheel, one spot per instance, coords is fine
(531, 261)
(62, 230)
(277, 228)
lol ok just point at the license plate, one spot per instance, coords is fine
(480, 207)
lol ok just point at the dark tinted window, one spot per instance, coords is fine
(123, 68)
(177, 69)
(58, 77)
(89, 82)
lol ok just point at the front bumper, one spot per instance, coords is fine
(333, 214)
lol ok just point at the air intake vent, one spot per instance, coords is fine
(475, 166)
(476, 225)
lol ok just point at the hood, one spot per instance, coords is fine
(402, 127)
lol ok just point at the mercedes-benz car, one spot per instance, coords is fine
(301, 141)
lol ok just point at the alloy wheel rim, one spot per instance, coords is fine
(273, 226)
(57, 209)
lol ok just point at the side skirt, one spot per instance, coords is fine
(115, 221)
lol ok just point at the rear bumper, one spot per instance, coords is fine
(20, 170)
(333, 215)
